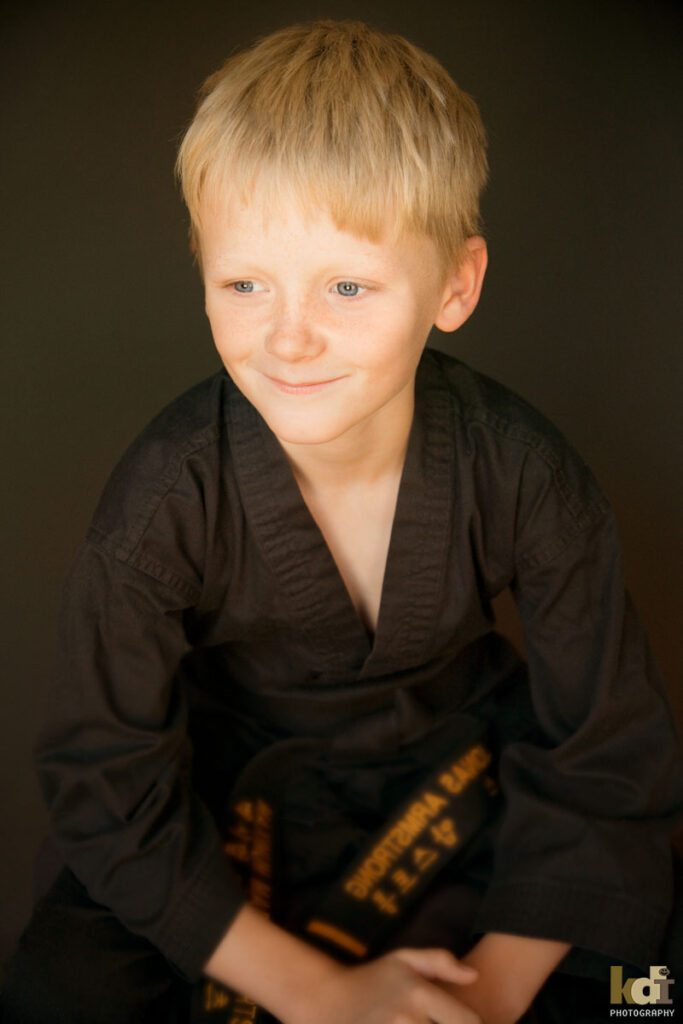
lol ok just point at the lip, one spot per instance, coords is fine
(302, 387)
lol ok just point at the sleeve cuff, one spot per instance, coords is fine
(202, 914)
(603, 922)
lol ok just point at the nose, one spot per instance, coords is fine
(295, 333)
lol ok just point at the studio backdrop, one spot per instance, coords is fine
(103, 312)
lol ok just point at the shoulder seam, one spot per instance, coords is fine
(129, 553)
(142, 563)
(584, 516)
(167, 480)
(543, 556)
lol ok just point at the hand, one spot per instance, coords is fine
(401, 987)
(512, 969)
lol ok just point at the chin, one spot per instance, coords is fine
(301, 429)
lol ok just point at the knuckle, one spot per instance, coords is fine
(417, 996)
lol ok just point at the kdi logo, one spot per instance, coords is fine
(643, 991)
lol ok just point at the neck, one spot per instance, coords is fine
(367, 454)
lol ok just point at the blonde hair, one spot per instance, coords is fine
(343, 117)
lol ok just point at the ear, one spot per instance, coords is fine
(463, 286)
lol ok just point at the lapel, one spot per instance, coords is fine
(302, 565)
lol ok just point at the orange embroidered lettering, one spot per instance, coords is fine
(444, 832)
(403, 880)
(424, 857)
(385, 901)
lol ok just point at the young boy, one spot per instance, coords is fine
(293, 568)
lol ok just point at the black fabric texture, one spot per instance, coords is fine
(77, 964)
(204, 618)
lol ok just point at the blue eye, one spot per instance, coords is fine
(243, 287)
(349, 289)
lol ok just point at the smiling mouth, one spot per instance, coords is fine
(301, 387)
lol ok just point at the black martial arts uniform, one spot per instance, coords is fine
(205, 619)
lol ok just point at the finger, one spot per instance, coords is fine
(443, 1008)
(438, 963)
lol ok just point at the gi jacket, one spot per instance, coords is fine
(204, 618)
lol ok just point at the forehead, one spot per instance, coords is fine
(284, 227)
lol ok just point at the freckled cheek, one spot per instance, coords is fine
(384, 344)
(234, 338)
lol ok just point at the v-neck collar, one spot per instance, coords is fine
(295, 550)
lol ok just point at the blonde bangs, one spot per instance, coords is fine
(341, 117)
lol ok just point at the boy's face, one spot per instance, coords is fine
(319, 328)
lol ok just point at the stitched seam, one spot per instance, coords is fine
(584, 516)
(148, 566)
(171, 474)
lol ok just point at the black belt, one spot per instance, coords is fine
(289, 820)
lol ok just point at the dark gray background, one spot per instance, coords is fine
(581, 310)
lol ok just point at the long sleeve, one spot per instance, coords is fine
(584, 851)
(114, 760)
